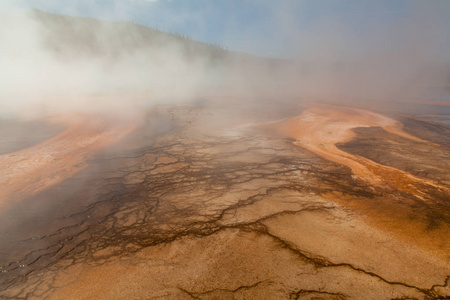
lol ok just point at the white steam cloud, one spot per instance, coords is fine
(56, 63)
(47, 62)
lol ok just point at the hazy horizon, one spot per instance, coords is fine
(224, 149)
(55, 63)
(268, 28)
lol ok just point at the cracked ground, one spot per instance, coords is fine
(204, 202)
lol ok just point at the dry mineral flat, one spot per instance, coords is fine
(226, 202)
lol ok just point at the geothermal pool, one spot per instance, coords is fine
(330, 203)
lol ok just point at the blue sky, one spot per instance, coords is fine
(280, 28)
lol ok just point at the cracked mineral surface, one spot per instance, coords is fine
(229, 201)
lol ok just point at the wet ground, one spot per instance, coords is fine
(20, 134)
(203, 202)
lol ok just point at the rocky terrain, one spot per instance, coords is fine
(210, 202)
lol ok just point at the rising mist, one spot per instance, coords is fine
(61, 63)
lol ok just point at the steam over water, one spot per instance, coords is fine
(138, 164)
(60, 63)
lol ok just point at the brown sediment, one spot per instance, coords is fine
(401, 219)
(320, 129)
(185, 215)
(31, 170)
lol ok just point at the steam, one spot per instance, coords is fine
(384, 62)
(52, 63)
(69, 64)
